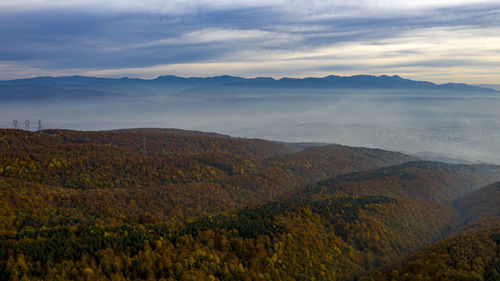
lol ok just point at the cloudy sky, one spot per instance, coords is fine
(439, 41)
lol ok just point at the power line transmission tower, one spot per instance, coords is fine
(15, 123)
(39, 124)
(27, 124)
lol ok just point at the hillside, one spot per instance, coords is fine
(173, 131)
(139, 204)
(194, 173)
(329, 160)
(325, 239)
(469, 255)
(433, 181)
(482, 203)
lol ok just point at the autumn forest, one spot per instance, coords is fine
(171, 204)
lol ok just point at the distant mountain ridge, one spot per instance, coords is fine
(361, 82)
(169, 84)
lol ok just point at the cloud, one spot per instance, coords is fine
(313, 7)
(411, 54)
(440, 40)
(222, 36)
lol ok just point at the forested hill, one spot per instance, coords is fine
(472, 253)
(172, 131)
(433, 181)
(324, 240)
(328, 160)
(170, 204)
(195, 173)
(469, 255)
(482, 203)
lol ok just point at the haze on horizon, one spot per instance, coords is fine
(437, 41)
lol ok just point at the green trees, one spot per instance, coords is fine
(292, 240)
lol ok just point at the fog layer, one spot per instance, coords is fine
(455, 124)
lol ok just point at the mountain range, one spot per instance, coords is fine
(75, 87)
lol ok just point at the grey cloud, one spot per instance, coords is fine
(70, 39)
(444, 63)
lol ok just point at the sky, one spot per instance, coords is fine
(439, 41)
